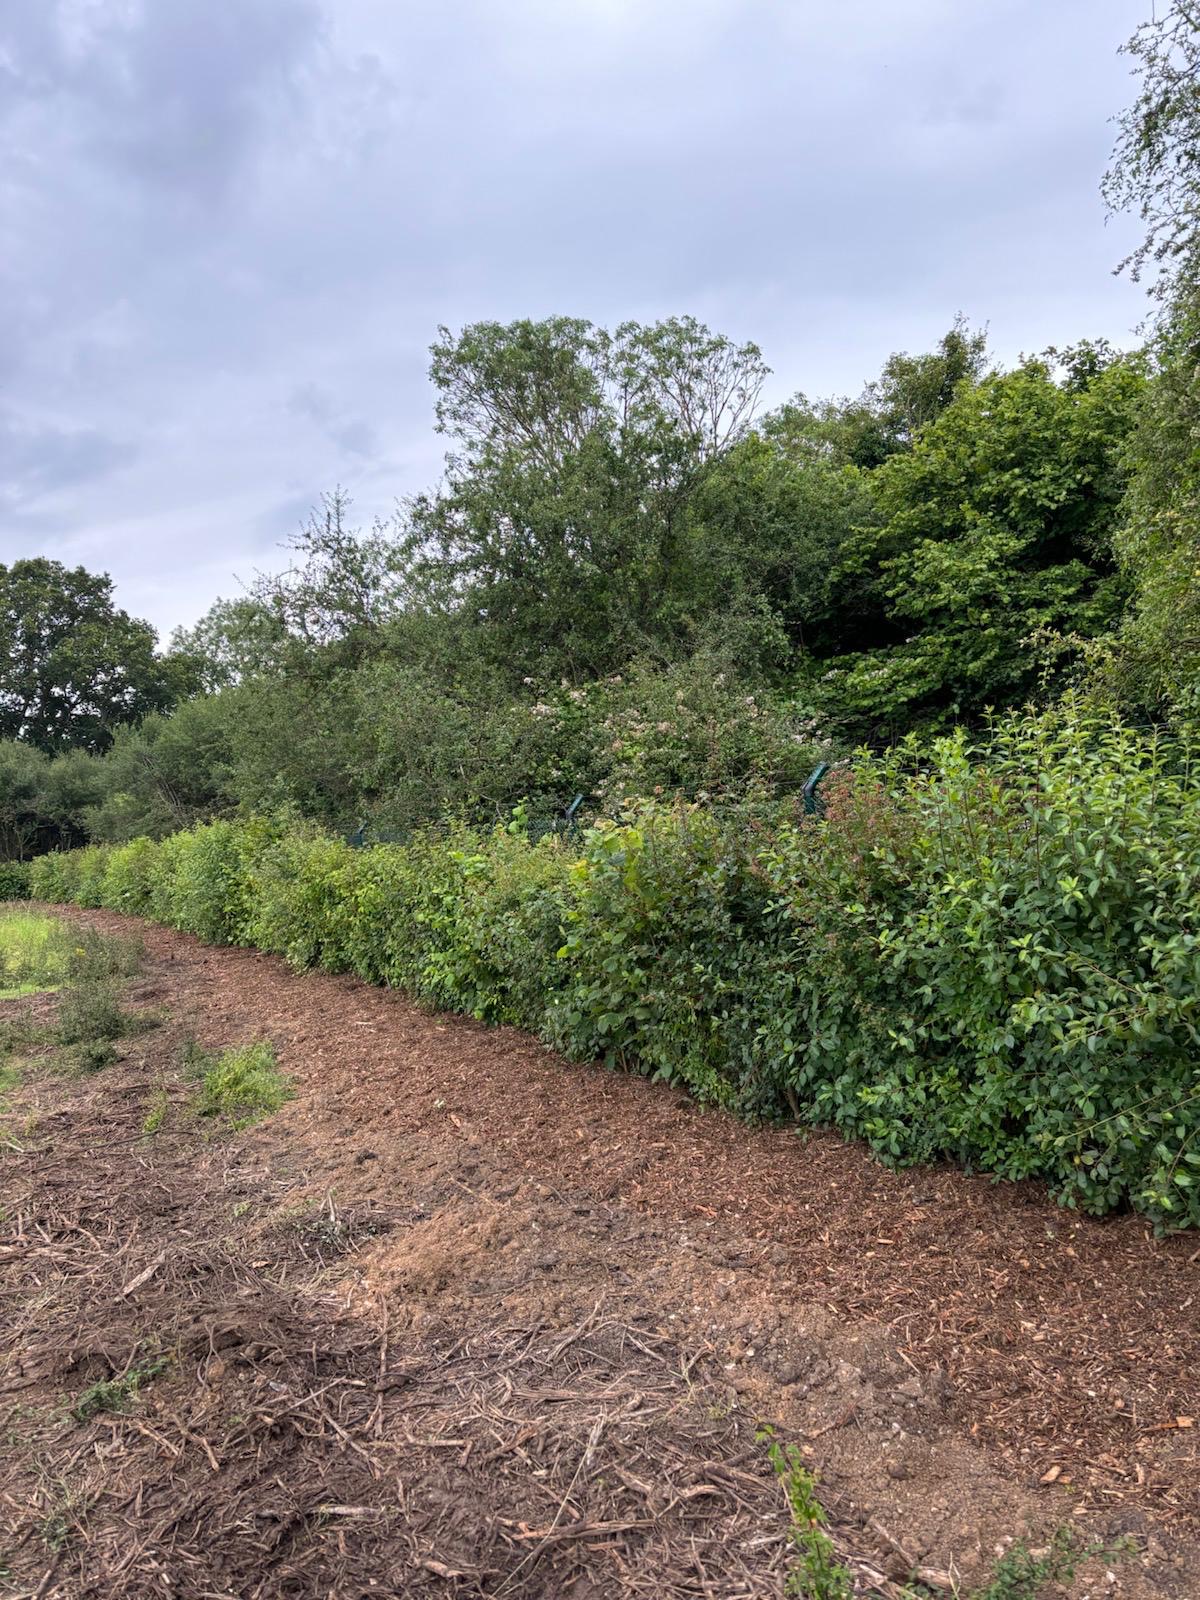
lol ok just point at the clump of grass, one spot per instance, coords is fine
(90, 1012)
(156, 1113)
(243, 1083)
(34, 953)
(116, 1394)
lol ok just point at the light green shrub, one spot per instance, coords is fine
(129, 876)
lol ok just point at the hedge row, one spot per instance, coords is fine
(988, 956)
(14, 880)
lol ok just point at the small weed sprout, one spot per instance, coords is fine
(116, 1394)
(818, 1574)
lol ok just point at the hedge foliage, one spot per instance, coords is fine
(987, 955)
(14, 880)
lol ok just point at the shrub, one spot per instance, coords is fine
(1007, 972)
(48, 877)
(129, 877)
(662, 943)
(990, 954)
(90, 1013)
(14, 880)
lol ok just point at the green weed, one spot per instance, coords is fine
(1022, 1573)
(156, 1112)
(817, 1574)
(116, 1394)
(244, 1083)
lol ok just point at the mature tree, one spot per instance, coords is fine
(344, 584)
(44, 799)
(22, 812)
(1155, 169)
(560, 523)
(767, 526)
(911, 392)
(995, 529)
(72, 665)
(234, 640)
(167, 773)
(1153, 663)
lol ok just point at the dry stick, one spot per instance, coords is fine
(585, 1458)
(145, 1275)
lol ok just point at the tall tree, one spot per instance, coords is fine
(996, 528)
(560, 522)
(910, 392)
(1153, 663)
(73, 666)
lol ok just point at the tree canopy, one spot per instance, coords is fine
(75, 666)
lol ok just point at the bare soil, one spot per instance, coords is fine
(465, 1320)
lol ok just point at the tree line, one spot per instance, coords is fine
(632, 580)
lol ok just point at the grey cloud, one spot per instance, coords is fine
(38, 460)
(232, 228)
(354, 436)
(174, 93)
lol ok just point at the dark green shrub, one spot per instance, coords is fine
(662, 942)
(14, 880)
(90, 1012)
(989, 954)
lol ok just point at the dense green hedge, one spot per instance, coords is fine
(990, 957)
(14, 880)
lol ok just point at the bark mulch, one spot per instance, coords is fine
(463, 1319)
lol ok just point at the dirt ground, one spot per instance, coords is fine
(464, 1320)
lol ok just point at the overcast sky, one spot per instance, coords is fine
(230, 228)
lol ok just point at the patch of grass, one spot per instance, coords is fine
(817, 1574)
(116, 1394)
(90, 1011)
(35, 953)
(243, 1083)
(156, 1112)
